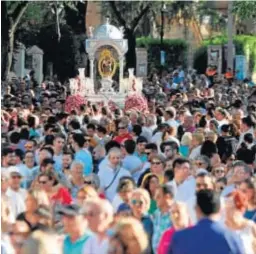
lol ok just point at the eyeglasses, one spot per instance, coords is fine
(91, 214)
(16, 177)
(42, 182)
(156, 162)
(87, 140)
(199, 164)
(88, 182)
(218, 171)
(137, 202)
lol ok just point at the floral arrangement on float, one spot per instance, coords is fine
(136, 102)
(73, 102)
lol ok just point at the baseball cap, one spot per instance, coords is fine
(70, 210)
(13, 171)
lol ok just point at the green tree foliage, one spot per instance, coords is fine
(11, 15)
(128, 14)
(244, 44)
(61, 38)
(245, 9)
(176, 51)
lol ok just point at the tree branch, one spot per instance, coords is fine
(17, 15)
(118, 14)
(136, 21)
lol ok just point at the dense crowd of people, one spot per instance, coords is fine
(178, 178)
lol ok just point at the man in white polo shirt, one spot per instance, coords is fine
(111, 173)
(16, 194)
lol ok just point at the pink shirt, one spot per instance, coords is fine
(165, 241)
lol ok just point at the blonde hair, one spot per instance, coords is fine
(40, 196)
(145, 195)
(186, 139)
(133, 228)
(212, 136)
(39, 243)
(90, 191)
(199, 137)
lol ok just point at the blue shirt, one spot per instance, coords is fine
(206, 237)
(161, 222)
(131, 162)
(143, 157)
(250, 215)
(76, 247)
(86, 158)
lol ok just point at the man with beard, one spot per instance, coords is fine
(62, 120)
(65, 175)
(170, 149)
(203, 182)
(98, 155)
(8, 158)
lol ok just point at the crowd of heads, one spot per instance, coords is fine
(103, 180)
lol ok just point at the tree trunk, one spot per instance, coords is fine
(16, 17)
(5, 40)
(131, 53)
(10, 53)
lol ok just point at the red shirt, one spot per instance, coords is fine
(121, 139)
(63, 196)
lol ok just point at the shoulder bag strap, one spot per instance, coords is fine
(114, 178)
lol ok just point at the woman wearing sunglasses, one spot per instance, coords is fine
(218, 172)
(151, 183)
(157, 167)
(140, 204)
(56, 193)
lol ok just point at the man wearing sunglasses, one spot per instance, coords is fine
(123, 133)
(16, 194)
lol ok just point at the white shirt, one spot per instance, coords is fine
(147, 133)
(94, 246)
(106, 176)
(157, 139)
(195, 153)
(185, 190)
(103, 163)
(117, 201)
(17, 200)
(241, 138)
(173, 123)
